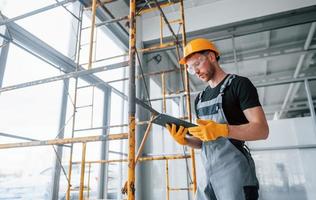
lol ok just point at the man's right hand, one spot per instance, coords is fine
(178, 136)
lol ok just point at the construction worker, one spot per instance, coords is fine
(228, 114)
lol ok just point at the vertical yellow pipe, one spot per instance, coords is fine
(83, 163)
(94, 8)
(163, 84)
(89, 181)
(167, 181)
(131, 102)
(187, 89)
(131, 160)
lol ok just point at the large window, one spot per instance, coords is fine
(34, 112)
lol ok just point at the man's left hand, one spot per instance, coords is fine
(208, 130)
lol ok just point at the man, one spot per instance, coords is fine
(228, 113)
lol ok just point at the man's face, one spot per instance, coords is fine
(200, 64)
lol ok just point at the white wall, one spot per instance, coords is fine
(288, 132)
(287, 173)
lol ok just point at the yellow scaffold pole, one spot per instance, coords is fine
(131, 102)
(94, 8)
(187, 89)
(83, 164)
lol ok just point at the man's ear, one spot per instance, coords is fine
(211, 55)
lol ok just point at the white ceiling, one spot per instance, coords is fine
(269, 54)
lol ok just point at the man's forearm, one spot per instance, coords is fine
(248, 132)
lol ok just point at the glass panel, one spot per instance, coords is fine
(45, 25)
(26, 173)
(31, 112)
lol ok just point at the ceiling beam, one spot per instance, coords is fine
(279, 76)
(294, 106)
(277, 21)
(251, 26)
(263, 53)
(292, 90)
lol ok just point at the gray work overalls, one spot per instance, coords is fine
(230, 170)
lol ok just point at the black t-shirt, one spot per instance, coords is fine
(240, 95)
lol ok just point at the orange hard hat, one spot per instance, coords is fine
(197, 45)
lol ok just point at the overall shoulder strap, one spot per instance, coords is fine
(227, 82)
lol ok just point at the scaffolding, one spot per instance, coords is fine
(132, 100)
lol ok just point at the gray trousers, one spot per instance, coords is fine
(230, 173)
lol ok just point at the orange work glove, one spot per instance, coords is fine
(208, 130)
(178, 136)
